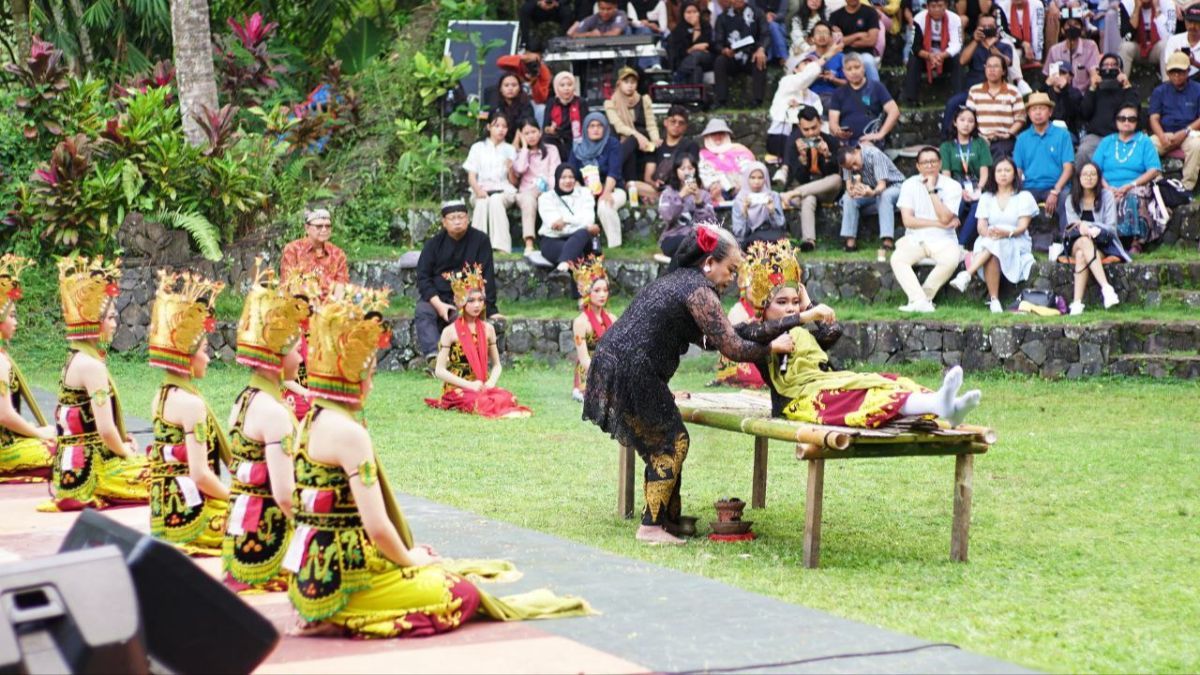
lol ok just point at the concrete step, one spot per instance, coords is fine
(1157, 365)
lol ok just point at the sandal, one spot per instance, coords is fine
(888, 244)
(849, 247)
(808, 245)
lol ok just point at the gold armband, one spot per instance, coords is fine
(366, 472)
(200, 432)
(100, 397)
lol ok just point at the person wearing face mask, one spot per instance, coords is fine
(1067, 99)
(1109, 90)
(1079, 53)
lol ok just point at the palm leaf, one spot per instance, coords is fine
(204, 233)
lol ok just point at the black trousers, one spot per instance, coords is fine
(764, 235)
(530, 14)
(691, 69)
(567, 249)
(429, 327)
(724, 66)
(915, 75)
(633, 160)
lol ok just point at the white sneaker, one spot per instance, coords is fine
(922, 307)
(577, 395)
(994, 306)
(661, 258)
(781, 175)
(960, 281)
(1076, 308)
(1110, 296)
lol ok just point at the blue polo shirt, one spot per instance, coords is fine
(1177, 108)
(1041, 157)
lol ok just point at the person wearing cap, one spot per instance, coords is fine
(1081, 55)
(1145, 27)
(455, 246)
(722, 161)
(1045, 156)
(1175, 116)
(1187, 42)
(1067, 99)
(314, 254)
(631, 116)
(791, 96)
(1109, 91)
(740, 40)
(862, 110)
(937, 42)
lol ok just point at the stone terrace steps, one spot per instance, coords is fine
(1157, 365)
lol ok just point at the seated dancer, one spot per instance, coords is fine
(732, 373)
(355, 568)
(803, 385)
(466, 347)
(188, 501)
(261, 427)
(593, 321)
(26, 450)
(97, 464)
(628, 392)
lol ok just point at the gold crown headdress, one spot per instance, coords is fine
(587, 271)
(345, 331)
(180, 319)
(11, 267)
(768, 266)
(274, 316)
(86, 286)
(469, 278)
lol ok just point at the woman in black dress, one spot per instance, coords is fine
(627, 389)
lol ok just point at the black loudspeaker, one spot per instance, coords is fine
(193, 624)
(71, 613)
(683, 94)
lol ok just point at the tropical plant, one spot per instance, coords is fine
(161, 75)
(74, 205)
(219, 127)
(44, 77)
(247, 67)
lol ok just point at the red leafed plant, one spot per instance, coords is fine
(246, 64)
(161, 75)
(219, 127)
(45, 78)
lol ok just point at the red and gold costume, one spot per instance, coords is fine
(586, 272)
(23, 459)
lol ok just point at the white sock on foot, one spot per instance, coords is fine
(962, 406)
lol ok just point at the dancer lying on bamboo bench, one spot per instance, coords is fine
(805, 388)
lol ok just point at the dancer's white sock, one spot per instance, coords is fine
(940, 402)
(963, 405)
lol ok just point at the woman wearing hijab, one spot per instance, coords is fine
(632, 116)
(722, 161)
(757, 209)
(564, 114)
(596, 157)
(568, 212)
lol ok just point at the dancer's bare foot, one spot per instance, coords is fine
(651, 534)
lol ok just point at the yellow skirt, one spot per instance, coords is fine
(26, 460)
(208, 543)
(410, 602)
(115, 481)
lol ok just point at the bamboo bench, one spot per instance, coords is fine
(750, 413)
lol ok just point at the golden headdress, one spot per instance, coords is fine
(86, 287)
(11, 267)
(469, 278)
(768, 266)
(273, 317)
(181, 318)
(587, 271)
(345, 331)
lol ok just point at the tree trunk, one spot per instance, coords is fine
(193, 63)
(60, 26)
(20, 9)
(85, 41)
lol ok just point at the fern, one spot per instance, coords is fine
(204, 233)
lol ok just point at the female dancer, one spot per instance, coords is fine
(26, 450)
(594, 320)
(261, 427)
(188, 501)
(466, 347)
(355, 568)
(97, 465)
(628, 393)
(732, 373)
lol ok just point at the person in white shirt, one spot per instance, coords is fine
(487, 165)
(929, 203)
(937, 42)
(1188, 42)
(1146, 25)
(568, 212)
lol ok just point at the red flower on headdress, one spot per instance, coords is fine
(111, 290)
(385, 339)
(776, 278)
(304, 325)
(14, 293)
(707, 239)
(210, 324)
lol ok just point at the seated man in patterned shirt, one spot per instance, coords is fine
(314, 254)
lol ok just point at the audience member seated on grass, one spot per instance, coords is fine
(568, 212)
(591, 284)
(929, 206)
(675, 143)
(682, 204)
(859, 25)
(937, 43)
(999, 108)
(968, 161)
(535, 12)
(861, 111)
(740, 43)
(512, 102)
(1045, 157)
(597, 159)
(608, 21)
(1175, 117)
(1067, 100)
(631, 116)
(468, 361)
(1110, 89)
(722, 161)
(1004, 245)
(488, 165)
(872, 185)
(563, 119)
(804, 22)
(811, 160)
(533, 172)
(1146, 25)
(757, 209)
(1026, 25)
(1081, 53)
(458, 244)
(1129, 166)
(531, 71)
(829, 52)
(689, 46)
(1187, 42)
(315, 254)
(1090, 236)
(790, 98)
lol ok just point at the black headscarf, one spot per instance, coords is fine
(558, 172)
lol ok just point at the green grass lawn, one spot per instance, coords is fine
(1084, 545)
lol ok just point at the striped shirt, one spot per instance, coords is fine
(875, 167)
(996, 112)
